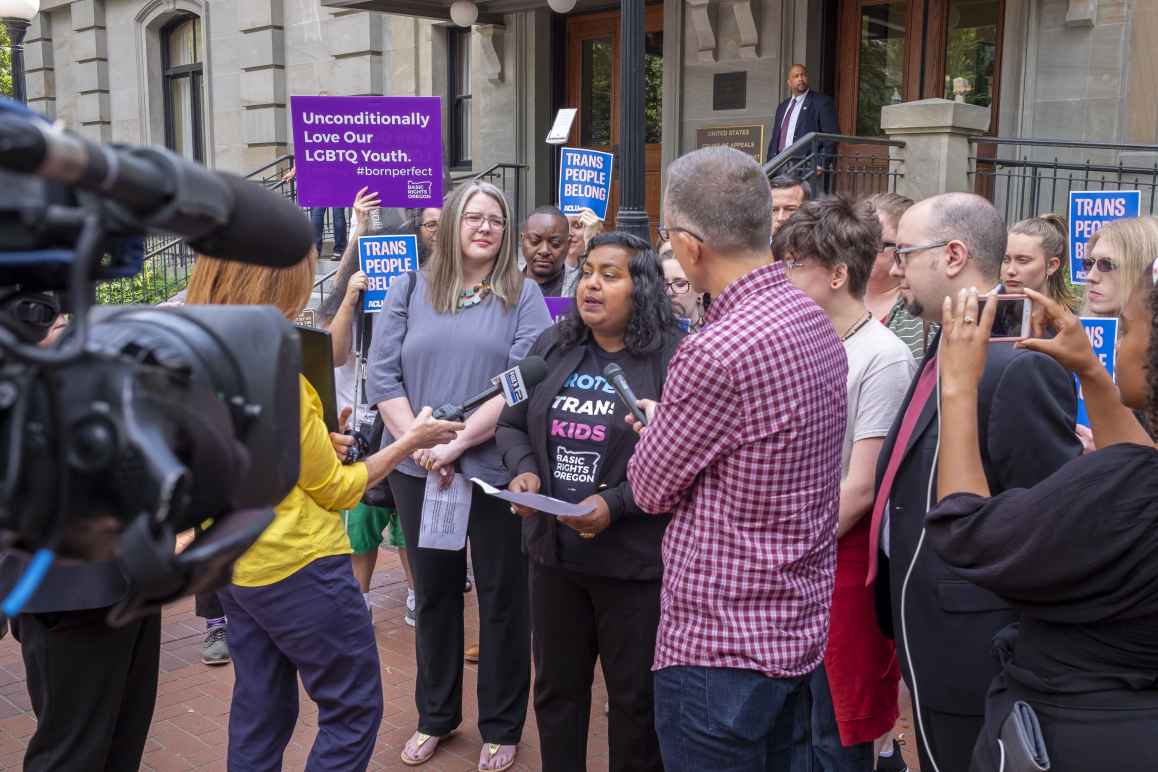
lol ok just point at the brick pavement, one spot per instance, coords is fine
(192, 713)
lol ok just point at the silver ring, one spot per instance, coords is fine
(969, 320)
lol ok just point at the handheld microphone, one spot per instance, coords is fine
(532, 369)
(614, 375)
(221, 215)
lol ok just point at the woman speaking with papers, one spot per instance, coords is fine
(595, 578)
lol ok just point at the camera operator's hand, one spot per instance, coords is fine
(428, 432)
(364, 204)
(341, 441)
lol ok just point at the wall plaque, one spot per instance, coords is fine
(746, 139)
(730, 91)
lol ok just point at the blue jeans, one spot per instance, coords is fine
(822, 751)
(318, 217)
(724, 719)
(313, 623)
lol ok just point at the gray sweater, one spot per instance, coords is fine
(432, 358)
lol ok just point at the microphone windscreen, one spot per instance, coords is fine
(264, 228)
(612, 370)
(534, 370)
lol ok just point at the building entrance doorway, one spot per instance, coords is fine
(593, 87)
(901, 50)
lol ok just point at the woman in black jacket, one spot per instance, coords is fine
(595, 579)
(1075, 554)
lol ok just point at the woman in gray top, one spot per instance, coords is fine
(443, 334)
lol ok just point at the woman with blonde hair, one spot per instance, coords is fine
(1035, 258)
(443, 334)
(1117, 257)
(294, 607)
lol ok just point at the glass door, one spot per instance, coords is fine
(593, 86)
(901, 50)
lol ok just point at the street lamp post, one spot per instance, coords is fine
(17, 15)
(632, 214)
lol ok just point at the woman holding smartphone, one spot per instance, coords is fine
(1073, 554)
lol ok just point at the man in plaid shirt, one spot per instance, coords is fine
(744, 451)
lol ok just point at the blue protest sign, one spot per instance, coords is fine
(585, 181)
(383, 259)
(1103, 334)
(1089, 211)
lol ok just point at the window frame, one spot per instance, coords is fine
(459, 101)
(195, 72)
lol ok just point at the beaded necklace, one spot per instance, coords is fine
(472, 296)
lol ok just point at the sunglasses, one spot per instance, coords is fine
(1103, 264)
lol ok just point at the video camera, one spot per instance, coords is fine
(141, 422)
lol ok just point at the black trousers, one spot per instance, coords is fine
(500, 578)
(92, 688)
(951, 736)
(578, 618)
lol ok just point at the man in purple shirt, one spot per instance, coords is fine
(744, 450)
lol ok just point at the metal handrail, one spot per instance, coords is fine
(792, 152)
(1084, 166)
(318, 283)
(1062, 143)
(270, 165)
(488, 171)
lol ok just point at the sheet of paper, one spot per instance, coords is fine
(445, 514)
(536, 501)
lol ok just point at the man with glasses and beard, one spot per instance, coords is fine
(944, 626)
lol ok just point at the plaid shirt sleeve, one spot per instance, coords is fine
(696, 423)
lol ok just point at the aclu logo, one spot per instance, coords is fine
(421, 190)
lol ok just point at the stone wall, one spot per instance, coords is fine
(96, 65)
(759, 39)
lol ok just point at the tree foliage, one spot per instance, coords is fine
(5, 63)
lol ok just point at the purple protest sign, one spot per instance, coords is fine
(559, 307)
(392, 145)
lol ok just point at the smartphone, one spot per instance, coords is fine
(1013, 316)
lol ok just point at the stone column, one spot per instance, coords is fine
(90, 49)
(632, 215)
(265, 124)
(39, 70)
(355, 41)
(936, 134)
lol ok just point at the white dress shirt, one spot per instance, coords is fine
(797, 107)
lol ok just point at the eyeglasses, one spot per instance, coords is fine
(1103, 264)
(665, 233)
(430, 226)
(887, 245)
(901, 256)
(678, 286)
(476, 219)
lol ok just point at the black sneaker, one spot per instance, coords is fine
(216, 650)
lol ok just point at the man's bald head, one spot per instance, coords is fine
(970, 219)
(797, 80)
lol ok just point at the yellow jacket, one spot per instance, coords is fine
(306, 524)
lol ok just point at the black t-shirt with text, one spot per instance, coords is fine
(584, 416)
